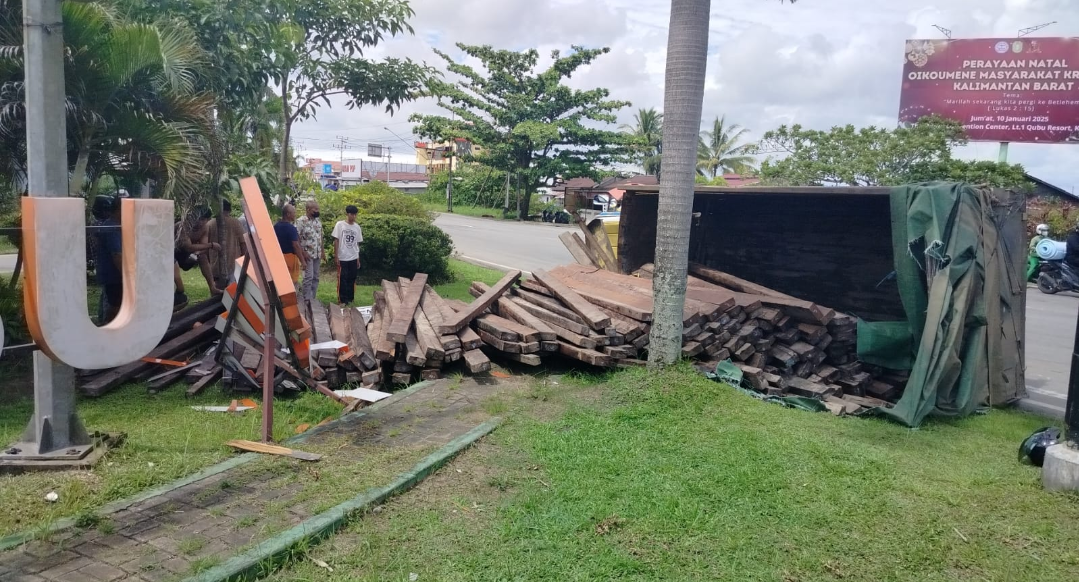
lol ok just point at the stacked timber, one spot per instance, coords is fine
(190, 333)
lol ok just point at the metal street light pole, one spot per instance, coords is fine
(55, 429)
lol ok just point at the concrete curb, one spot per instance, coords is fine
(264, 558)
(17, 539)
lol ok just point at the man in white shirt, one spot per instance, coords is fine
(347, 237)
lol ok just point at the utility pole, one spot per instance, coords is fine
(55, 431)
(389, 159)
(449, 187)
(506, 204)
(341, 146)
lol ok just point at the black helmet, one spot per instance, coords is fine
(1032, 451)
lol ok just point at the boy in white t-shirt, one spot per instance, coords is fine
(347, 237)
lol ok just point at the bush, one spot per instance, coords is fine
(11, 312)
(395, 246)
(374, 198)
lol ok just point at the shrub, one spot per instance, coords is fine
(11, 312)
(396, 246)
(473, 184)
(371, 199)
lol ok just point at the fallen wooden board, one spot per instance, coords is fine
(205, 381)
(478, 306)
(734, 283)
(526, 359)
(596, 319)
(264, 448)
(549, 303)
(385, 350)
(635, 307)
(107, 381)
(510, 347)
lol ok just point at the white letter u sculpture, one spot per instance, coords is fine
(54, 236)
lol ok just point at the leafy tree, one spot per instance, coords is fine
(706, 181)
(527, 122)
(133, 108)
(718, 151)
(647, 133)
(317, 52)
(872, 156)
(473, 184)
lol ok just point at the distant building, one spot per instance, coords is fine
(408, 178)
(439, 157)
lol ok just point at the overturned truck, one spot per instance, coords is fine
(933, 272)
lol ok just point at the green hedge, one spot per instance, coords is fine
(395, 246)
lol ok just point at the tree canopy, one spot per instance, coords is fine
(647, 132)
(873, 156)
(718, 150)
(526, 121)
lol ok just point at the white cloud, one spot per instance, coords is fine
(818, 62)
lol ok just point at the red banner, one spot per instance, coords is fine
(1014, 90)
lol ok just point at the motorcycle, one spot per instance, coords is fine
(1057, 276)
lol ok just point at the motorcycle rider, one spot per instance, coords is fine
(1071, 255)
(1033, 262)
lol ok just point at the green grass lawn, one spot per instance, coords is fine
(469, 210)
(680, 478)
(166, 439)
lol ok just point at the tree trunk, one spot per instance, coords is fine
(683, 96)
(286, 130)
(78, 175)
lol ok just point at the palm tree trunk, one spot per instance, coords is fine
(78, 175)
(683, 97)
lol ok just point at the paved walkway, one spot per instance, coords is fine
(195, 527)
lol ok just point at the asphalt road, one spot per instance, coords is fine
(7, 263)
(505, 245)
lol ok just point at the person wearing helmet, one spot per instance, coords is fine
(1033, 262)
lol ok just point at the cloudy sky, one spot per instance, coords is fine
(818, 62)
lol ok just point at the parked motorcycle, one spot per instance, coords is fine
(1057, 276)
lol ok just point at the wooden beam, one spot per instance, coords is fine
(476, 361)
(550, 317)
(361, 342)
(406, 310)
(510, 310)
(585, 355)
(576, 249)
(107, 381)
(385, 350)
(549, 303)
(481, 304)
(596, 319)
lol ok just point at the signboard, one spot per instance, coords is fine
(327, 168)
(374, 150)
(1013, 90)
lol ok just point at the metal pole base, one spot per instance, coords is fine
(55, 434)
(21, 458)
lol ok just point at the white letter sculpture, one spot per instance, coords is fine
(54, 238)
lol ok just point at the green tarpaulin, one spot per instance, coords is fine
(962, 290)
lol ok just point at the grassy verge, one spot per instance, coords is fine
(166, 439)
(684, 479)
(468, 210)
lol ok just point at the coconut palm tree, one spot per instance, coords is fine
(683, 96)
(648, 137)
(718, 151)
(131, 105)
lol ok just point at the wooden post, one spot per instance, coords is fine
(268, 375)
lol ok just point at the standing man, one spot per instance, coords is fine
(231, 239)
(347, 237)
(289, 239)
(310, 229)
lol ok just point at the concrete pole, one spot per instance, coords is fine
(55, 425)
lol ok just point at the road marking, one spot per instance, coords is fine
(497, 266)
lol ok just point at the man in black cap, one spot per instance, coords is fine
(347, 237)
